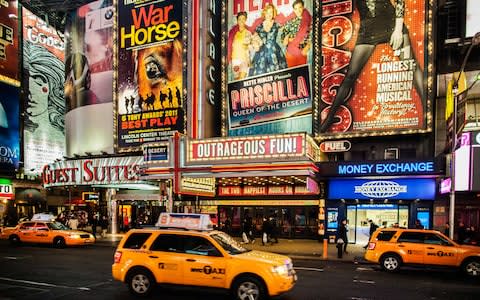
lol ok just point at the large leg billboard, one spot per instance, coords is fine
(373, 70)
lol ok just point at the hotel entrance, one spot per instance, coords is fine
(384, 215)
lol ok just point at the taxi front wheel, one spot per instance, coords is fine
(248, 288)
(472, 267)
(390, 262)
(140, 282)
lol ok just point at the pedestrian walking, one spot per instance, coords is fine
(274, 230)
(372, 229)
(73, 223)
(446, 231)
(342, 234)
(418, 224)
(266, 231)
(247, 231)
(462, 233)
(94, 225)
(104, 225)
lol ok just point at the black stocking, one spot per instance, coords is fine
(361, 54)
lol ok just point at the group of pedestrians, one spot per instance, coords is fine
(269, 230)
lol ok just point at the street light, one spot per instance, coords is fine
(475, 42)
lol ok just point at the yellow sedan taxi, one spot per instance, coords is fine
(184, 252)
(46, 232)
(394, 247)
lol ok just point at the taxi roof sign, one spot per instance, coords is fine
(185, 221)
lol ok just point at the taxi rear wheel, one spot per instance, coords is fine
(471, 267)
(391, 262)
(59, 242)
(14, 240)
(248, 288)
(140, 282)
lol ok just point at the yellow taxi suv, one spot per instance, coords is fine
(184, 250)
(46, 232)
(394, 247)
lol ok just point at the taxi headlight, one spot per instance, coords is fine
(74, 236)
(280, 270)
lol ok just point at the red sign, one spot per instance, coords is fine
(273, 190)
(243, 148)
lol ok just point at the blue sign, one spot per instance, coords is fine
(9, 128)
(401, 189)
(155, 153)
(386, 168)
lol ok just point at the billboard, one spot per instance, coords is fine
(9, 42)
(43, 79)
(372, 78)
(9, 128)
(268, 67)
(89, 78)
(149, 81)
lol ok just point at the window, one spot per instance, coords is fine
(41, 227)
(433, 239)
(385, 235)
(27, 226)
(411, 237)
(167, 243)
(136, 240)
(200, 246)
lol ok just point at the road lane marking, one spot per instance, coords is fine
(44, 284)
(365, 269)
(364, 281)
(358, 298)
(308, 269)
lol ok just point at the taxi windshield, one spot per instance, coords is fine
(57, 226)
(228, 243)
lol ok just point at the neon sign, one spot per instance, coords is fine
(387, 168)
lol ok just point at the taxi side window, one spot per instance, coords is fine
(411, 237)
(27, 226)
(41, 227)
(434, 239)
(167, 243)
(200, 246)
(385, 235)
(136, 240)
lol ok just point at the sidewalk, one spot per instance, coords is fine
(296, 248)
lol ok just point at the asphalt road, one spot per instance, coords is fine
(41, 272)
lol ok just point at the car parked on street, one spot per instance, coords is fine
(394, 247)
(185, 251)
(46, 232)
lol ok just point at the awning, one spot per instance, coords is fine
(29, 196)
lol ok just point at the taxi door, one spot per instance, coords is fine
(165, 258)
(439, 251)
(204, 263)
(42, 233)
(26, 232)
(410, 245)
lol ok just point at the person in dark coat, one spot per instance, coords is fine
(462, 233)
(94, 225)
(274, 230)
(372, 229)
(342, 234)
(266, 230)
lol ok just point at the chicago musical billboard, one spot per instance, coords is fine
(9, 42)
(9, 128)
(149, 79)
(373, 78)
(268, 67)
(44, 72)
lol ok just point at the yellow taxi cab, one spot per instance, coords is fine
(46, 232)
(394, 247)
(184, 250)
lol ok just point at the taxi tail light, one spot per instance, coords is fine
(117, 257)
(371, 246)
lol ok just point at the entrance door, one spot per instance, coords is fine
(351, 223)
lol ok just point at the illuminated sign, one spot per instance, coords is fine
(335, 146)
(197, 186)
(6, 189)
(387, 168)
(155, 153)
(187, 221)
(385, 88)
(90, 196)
(401, 189)
(271, 190)
(9, 42)
(219, 150)
(114, 170)
(445, 185)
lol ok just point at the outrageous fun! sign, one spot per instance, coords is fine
(269, 54)
(149, 77)
(372, 72)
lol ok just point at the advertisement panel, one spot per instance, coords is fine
(268, 67)
(9, 128)
(149, 83)
(43, 84)
(89, 77)
(9, 42)
(364, 189)
(373, 79)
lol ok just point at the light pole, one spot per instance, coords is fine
(451, 219)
